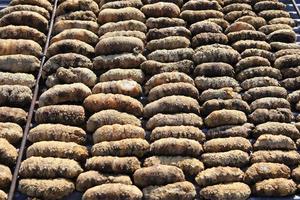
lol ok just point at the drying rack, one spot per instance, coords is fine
(12, 195)
(293, 7)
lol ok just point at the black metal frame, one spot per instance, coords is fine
(296, 7)
(31, 109)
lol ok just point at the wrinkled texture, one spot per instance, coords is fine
(230, 131)
(58, 149)
(60, 94)
(175, 191)
(205, 83)
(124, 87)
(122, 103)
(189, 132)
(120, 74)
(11, 132)
(126, 147)
(19, 63)
(161, 9)
(57, 132)
(190, 166)
(274, 142)
(185, 119)
(28, 18)
(225, 117)
(5, 176)
(233, 158)
(7, 78)
(260, 116)
(15, 115)
(277, 128)
(22, 32)
(264, 170)
(167, 77)
(8, 153)
(219, 104)
(229, 191)
(170, 89)
(90, 179)
(116, 191)
(217, 175)
(117, 132)
(289, 158)
(66, 60)
(64, 114)
(127, 25)
(123, 61)
(110, 164)
(157, 175)
(278, 187)
(122, 14)
(109, 117)
(34, 167)
(125, 45)
(46, 188)
(171, 105)
(176, 147)
(227, 144)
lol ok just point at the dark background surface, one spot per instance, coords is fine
(294, 15)
(3, 3)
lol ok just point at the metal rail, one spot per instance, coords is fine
(31, 109)
(296, 7)
(293, 7)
